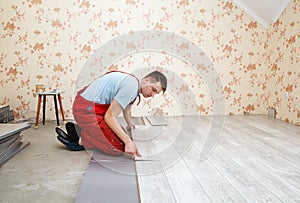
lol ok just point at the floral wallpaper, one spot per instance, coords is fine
(49, 42)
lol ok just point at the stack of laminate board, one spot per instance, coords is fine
(6, 114)
(11, 140)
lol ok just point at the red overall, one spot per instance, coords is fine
(95, 133)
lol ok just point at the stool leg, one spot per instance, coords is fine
(44, 108)
(56, 111)
(38, 111)
(61, 107)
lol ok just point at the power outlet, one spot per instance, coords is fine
(286, 94)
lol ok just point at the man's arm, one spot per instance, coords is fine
(127, 116)
(111, 119)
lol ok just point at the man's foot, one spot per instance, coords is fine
(62, 133)
(73, 146)
(73, 131)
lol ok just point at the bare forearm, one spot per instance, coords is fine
(111, 119)
(128, 118)
(113, 123)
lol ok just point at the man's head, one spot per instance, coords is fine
(153, 84)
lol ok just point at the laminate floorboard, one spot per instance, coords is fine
(253, 159)
(240, 144)
(275, 127)
(171, 171)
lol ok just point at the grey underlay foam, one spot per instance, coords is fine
(109, 179)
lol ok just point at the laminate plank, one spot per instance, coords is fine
(275, 183)
(241, 145)
(240, 127)
(233, 144)
(179, 139)
(157, 120)
(181, 181)
(246, 150)
(9, 129)
(4, 143)
(214, 184)
(152, 181)
(13, 150)
(265, 142)
(244, 163)
(247, 186)
(275, 127)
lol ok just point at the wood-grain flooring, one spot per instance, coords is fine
(251, 159)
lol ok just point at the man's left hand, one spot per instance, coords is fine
(130, 126)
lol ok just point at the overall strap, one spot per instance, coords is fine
(132, 76)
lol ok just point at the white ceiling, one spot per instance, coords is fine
(265, 12)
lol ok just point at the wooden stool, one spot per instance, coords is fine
(53, 93)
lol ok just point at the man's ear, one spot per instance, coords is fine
(147, 80)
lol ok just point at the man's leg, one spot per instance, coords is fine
(73, 131)
(100, 136)
(70, 144)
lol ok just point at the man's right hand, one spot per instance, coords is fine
(131, 149)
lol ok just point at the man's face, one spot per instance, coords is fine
(150, 89)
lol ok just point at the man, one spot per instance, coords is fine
(97, 106)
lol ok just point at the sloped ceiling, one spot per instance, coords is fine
(265, 12)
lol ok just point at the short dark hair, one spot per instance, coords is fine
(159, 77)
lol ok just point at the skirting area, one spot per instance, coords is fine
(253, 159)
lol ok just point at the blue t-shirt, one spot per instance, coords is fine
(115, 85)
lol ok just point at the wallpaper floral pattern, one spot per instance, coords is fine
(49, 42)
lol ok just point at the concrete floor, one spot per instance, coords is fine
(45, 171)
